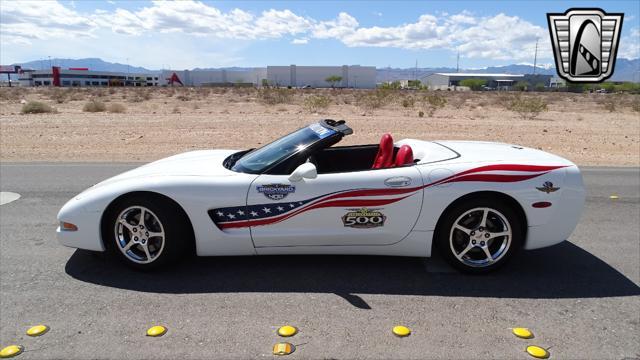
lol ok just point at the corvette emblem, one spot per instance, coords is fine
(547, 187)
(585, 43)
(276, 191)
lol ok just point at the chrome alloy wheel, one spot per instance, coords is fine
(139, 234)
(480, 237)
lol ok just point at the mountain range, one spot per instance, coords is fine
(625, 70)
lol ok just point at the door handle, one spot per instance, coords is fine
(398, 181)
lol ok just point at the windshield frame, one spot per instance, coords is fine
(332, 138)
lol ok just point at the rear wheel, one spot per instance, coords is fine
(146, 233)
(479, 235)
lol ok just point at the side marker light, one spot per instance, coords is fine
(68, 226)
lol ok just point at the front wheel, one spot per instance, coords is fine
(146, 233)
(479, 235)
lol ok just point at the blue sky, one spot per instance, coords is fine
(192, 34)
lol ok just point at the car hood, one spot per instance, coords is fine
(193, 163)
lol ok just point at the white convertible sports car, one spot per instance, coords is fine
(477, 203)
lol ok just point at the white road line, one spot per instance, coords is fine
(7, 197)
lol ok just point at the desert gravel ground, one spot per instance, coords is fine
(579, 127)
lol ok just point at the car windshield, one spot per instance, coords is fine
(261, 159)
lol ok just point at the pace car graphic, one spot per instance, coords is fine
(270, 213)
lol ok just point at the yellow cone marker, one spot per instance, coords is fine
(537, 352)
(523, 333)
(287, 331)
(283, 349)
(613, 197)
(401, 331)
(157, 330)
(37, 330)
(11, 351)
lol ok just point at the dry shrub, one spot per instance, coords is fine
(94, 106)
(98, 93)
(140, 95)
(12, 93)
(59, 95)
(408, 102)
(432, 102)
(610, 102)
(528, 107)
(635, 104)
(203, 92)
(36, 107)
(316, 103)
(374, 99)
(457, 99)
(176, 110)
(269, 96)
(116, 108)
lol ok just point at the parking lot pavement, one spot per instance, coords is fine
(580, 298)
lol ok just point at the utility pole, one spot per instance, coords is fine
(535, 58)
(458, 62)
(50, 61)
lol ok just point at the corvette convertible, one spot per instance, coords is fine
(476, 204)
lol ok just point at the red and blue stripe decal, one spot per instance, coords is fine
(271, 213)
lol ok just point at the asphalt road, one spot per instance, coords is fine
(581, 298)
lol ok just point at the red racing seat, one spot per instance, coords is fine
(384, 157)
(404, 156)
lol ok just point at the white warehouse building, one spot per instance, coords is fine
(443, 81)
(353, 76)
(221, 77)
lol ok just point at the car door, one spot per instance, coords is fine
(372, 207)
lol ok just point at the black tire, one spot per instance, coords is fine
(178, 234)
(448, 240)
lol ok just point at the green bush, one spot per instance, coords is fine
(36, 107)
(94, 106)
(316, 103)
(433, 102)
(473, 84)
(539, 86)
(521, 86)
(528, 107)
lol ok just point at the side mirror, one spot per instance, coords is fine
(304, 171)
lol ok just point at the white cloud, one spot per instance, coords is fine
(497, 37)
(25, 21)
(630, 45)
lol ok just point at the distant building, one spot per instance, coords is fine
(216, 77)
(444, 81)
(84, 77)
(556, 82)
(352, 76)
